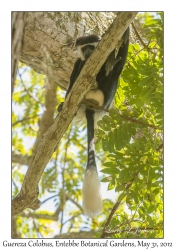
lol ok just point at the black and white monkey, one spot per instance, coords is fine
(107, 80)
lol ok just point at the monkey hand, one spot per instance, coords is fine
(60, 106)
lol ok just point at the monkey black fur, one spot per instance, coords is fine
(107, 80)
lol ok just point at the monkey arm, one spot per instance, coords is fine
(76, 71)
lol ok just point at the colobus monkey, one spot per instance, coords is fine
(107, 80)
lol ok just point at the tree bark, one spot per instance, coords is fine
(49, 39)
(18, 25)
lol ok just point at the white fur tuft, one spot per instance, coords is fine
(92, 199)
(80, 118)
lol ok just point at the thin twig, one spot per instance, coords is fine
(139, 37)
(49, 198)
(28, 91)
(73, 201)
(24, 119)
(115, 207)
(139, 122)
(75, 216)
(94, 106)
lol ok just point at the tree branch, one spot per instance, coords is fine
(48, 116)
(28, 196)
(53, 217)
(21, 159)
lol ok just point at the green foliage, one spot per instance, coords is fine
(133, 138)
(129, 147)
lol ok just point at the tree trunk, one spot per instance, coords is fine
(18, 25)
(49, 39)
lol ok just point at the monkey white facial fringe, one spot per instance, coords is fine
(92, 199)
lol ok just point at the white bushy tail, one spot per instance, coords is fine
(92, 199)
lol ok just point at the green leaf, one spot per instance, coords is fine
(146, 81)
(146, 93)
(103, 125)
(134, 195)
(121, 196)
(112, 171)
(151, 208)
(111, 186)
